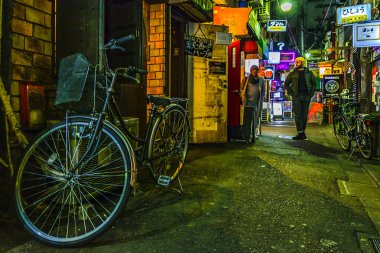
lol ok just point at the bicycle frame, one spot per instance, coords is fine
(111, 109)
(346, 121)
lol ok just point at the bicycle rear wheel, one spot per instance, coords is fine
(168, 144)
(66, 205)
(341, 132)
(363, 138)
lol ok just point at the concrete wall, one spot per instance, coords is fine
(208, 92)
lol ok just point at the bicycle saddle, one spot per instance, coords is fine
(158, 100)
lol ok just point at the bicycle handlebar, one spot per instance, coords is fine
(117, 47)
(131, 69)
(125, 39)
(136, 70)
(113, 43)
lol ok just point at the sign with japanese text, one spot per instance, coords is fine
(277, 25)
(353, 14)
(223, 38)
(312, 65)
(366, 35)
(197, 46)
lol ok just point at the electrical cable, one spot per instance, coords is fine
(289, 31)
(320, 29)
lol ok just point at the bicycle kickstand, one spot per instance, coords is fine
(180, 185)
(353, 150)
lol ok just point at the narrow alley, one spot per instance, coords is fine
(277, 195)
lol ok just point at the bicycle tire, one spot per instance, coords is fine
(363, 138)
(340, 132)
(66, 208)
(168, 143)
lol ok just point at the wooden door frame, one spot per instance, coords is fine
(175, 15)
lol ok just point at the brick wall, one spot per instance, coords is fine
(156, 44)
(31, 51)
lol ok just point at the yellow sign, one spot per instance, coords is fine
(353, 14)
(277, 25)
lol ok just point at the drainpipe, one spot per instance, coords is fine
(302, 23)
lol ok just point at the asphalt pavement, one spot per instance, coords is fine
(277, 195)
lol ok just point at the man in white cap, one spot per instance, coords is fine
(300, 84)
(252, 92)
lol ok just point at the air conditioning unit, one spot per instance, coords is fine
(263, 13)
(256, 4)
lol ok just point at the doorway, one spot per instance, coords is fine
(177, 63)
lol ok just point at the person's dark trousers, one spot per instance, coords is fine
(250, 121)
(301, 109)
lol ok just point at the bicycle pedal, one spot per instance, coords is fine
(163, 180)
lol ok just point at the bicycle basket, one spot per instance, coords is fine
(79, 88)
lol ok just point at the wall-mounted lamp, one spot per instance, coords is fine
(286, 6)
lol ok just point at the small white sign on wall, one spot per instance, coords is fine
(223, 38)
(366, 35)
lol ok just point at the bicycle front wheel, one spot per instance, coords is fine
(66, 204)
(341, 132)
(363, 138)
(168, 144)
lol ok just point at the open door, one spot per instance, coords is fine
(234, 76)
(178, 74)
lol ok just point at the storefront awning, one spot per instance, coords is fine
(196, 10)
(253, 26)
(264, 47)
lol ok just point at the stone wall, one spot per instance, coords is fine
(156, 49)
(31, 51)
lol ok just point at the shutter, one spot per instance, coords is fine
(78, 28)
(124, 17)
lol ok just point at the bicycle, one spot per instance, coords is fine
(74, 180)
(350, 125)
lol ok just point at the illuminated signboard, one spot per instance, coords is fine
(366, 35)
(325, 70)
(312, 65)
(283, 66)
(274, 57)
(287, 56)
(353, 14)
(269, 73)
(276, 25)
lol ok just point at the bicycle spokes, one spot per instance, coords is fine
(169, 145)
(67, 201)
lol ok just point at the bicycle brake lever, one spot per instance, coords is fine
(132, 78)
(117, 47)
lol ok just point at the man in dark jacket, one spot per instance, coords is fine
(252, 90)
(300, 84)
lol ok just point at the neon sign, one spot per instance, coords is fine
(287, 56)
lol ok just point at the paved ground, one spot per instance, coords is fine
(277, 195)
